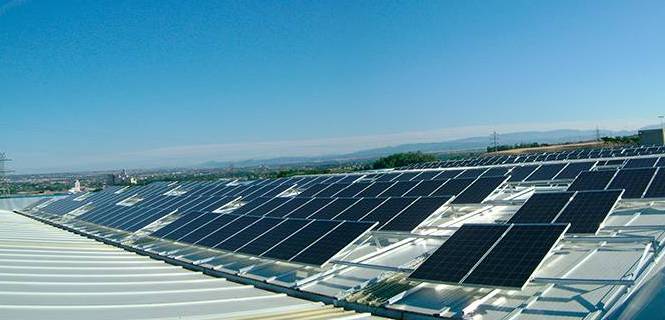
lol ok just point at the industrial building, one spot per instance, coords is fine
(565, 235)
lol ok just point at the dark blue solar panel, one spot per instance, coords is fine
(227, 231)
(541, 207)
(592, 180)
(415, 214)
(353, 189)
(375, 189)
(399, 188)
(657, 187)
(425, 188)
(387, 210)
(640, 163)
(269, 206)
(516, 256)
(310, 208)
(332, 243)
(479, 190)
(472, 173)
(546, 172)
(273, 237)
(456, 257)
(250, 233)
(288, 207)
(331, 211)
(521, 173)
(634, 181)
(360, 209)
(300, 240)
(572, 170)
(313, 190)
(207, 229)
(588, 209)
(453, 187)
(332, 190)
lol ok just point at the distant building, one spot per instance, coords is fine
(652, 137)
(76, 188)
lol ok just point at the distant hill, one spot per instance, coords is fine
(465, 144)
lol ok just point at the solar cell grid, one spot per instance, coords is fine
(250, 233)
(546, 172)
(657, 186)
(273, 237)
(269, 206)
(360, 209)
(227, 231)
(207, 228)
(451, 262)
(521, 173)
(541, 207)
(634, 181)
(448, 174)
(353, 189)
(301, 239)
(332, 243)
(399, 189)
(496, 172)
(415, 214)
(427, 175)
(472, 173)
(313, 190)
(516, 256)
(387, 210)
(332, 190)
(592, 180)
(453, 187)
(247, 207)
(332, 210)
(588, 209)
(375, 189)
(640, 163)
(479, 190)
(288, 207)
(425, 188)
(573, 169)
(310, 208)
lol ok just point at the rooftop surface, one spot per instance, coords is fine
(49, 273)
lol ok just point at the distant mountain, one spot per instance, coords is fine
(465, 144)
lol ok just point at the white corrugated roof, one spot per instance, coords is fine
(49, 273)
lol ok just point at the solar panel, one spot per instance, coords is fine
(250, 233)
(415, 214)
(251, 205)
(472, 173)
(661, 162)
(516, 256)
(592, 180)
(588, 209)
(353, 189)
(387, 177)
(573, 169)
(541, 207)
(399, 188)
(203, 231)
(375, 189)
(287, 207)
(332, 210)
(546, 172)
(332, 243)
(448, 174)
(301, 239)
(268, 206)
(425, 188)
(496, 172)
(388, 209)
(406, 176)
(227, 231)
(427, 175)
(273, 237)
(479, 190)
(451, 262)
(360, 209)
(657, 186)
(453, 187)
(310, 208)
(640, 163)
(521, 173)
(634, 181)
(313, 190)
(332, 190)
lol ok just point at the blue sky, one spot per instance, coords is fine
(107, 84)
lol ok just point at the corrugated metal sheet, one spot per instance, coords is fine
(48, 273)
